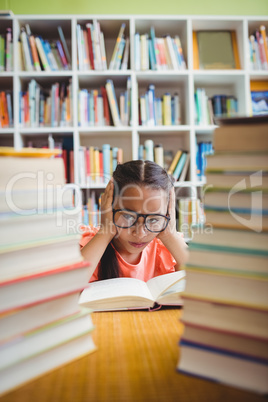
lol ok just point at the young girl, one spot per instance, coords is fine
(137, 236)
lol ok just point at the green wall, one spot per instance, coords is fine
(179, 7)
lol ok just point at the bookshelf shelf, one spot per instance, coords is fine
(235, 82)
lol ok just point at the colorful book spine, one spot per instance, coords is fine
(112, 64)
(113, 103)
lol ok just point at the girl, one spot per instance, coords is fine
(137, 236)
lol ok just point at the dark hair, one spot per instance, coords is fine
(138, 172)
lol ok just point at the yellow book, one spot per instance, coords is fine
(263, 33)
(91, 162)
(167, 109)
(30, 152)
(174, 162)
(195, 52)
(96, 164)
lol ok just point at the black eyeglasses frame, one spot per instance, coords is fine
(143, 216)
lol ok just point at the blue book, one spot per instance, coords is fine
(48, 52)
(179, 167)
(141, 152)
(151, 55)
(152, 33)
(115, 151)
(85, 215)
(151, 105)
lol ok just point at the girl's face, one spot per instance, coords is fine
(143, 200)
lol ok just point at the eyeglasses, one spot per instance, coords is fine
(123, 218)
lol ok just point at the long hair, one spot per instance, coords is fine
(138, 172)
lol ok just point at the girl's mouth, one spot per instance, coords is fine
(137, 245)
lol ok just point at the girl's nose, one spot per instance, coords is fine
(139, 227)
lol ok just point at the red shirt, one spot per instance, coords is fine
(155, 260)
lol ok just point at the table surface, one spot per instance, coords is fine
(136, 358)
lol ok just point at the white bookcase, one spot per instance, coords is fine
(235, 82)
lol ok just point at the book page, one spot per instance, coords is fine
(162, 283)
(114, 288)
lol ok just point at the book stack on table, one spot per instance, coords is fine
(42, 272)
(226, 295)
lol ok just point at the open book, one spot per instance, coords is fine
(131, 293)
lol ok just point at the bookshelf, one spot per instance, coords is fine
(184, 82)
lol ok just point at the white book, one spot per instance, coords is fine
(42, 54)
(26, 51)
(124, 64)
(103, 52)
(132, 293)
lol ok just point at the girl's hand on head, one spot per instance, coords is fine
(107, 224)
(171, 227)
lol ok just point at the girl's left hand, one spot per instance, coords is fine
(171, 227)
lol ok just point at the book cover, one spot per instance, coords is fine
(216, 50)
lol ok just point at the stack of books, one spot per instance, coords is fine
(42, 270)
(226, 296)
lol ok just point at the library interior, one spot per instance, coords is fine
(133, 203)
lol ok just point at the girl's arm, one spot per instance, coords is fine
(95, 248)
(173, 240)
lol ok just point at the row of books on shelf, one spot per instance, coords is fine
(38, 54)
(158, 111)
(158, 53)
(91, 48)
(6, 109)
(100, 107)
(42, 271)
(96, 165)
(190, 213)
(150, 51)
(39, 107)
(225, 311)
(91, 214)
(6, 51)
(258, 49)
(206, 108)
(177, 166)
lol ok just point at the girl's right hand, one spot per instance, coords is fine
(107, 225)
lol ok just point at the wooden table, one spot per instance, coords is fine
(135, 361)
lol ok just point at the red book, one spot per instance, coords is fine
(4, 111)
(105, 106)
(64, 157)
(90, 48)
(95, 98)
(71, 155)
